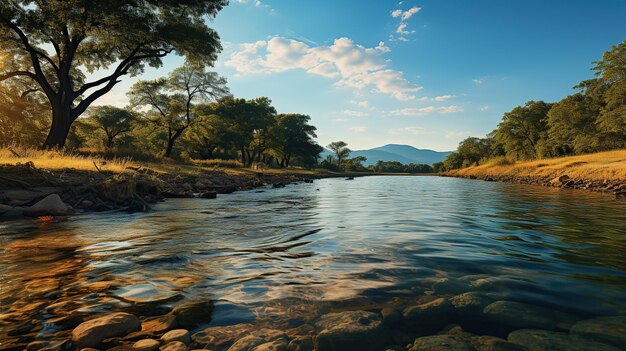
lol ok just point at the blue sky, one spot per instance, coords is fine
(426, 73)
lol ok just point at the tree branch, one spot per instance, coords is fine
(18, 73)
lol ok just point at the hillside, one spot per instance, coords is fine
(404, 154)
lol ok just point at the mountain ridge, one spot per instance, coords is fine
(402, 153)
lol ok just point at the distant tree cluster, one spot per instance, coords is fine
(591, 120)
(397, 167)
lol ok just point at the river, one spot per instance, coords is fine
(267, 256)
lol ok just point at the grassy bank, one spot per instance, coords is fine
(610, 165)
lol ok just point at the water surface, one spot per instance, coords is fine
(270, 255)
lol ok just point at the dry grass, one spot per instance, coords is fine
(602, 165)
(55, 160)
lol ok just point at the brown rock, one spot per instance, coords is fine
(158, 324)
(91, 333)
(146, 345)
(174, 346)
(51, 205)
(181, 335)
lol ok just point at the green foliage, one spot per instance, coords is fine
(522, 128)
(397, 167)
(341, 150)
(53, 42)
(292, 137)
(114, 122)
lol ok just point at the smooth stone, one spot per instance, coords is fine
(483, 342)
(193, 314)
(429, 316)
(174, 346)
(181, 335)
(158, 324)
(441, 343)
(610, 330)
(146, 345)
(541, 340)
(260, 338)
(391, 316)
(520, 315)
(449, 286)
(91, 333)
(276, 345)
(51, 205)
(351, 330)
(5, 208)
(470, 303)
(301, 343)
(220, 337)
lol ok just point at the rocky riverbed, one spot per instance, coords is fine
(465, 321)
(616, 188)
(29, 191)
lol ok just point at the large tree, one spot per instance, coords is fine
(522, 129)
(171, 101)
(113, 121)
(249, 120)
(56, 40)
(292, 135)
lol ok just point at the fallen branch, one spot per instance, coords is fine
(15, 153)
(98, 168)
(17, 181)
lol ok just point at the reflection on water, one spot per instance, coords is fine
(364, 243)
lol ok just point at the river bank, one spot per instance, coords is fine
(603, 172)
(27, 190)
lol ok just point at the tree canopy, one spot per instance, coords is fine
(52, 43)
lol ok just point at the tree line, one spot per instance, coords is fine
(591, 120)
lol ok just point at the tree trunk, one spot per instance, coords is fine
(61, 123)
(243, 156)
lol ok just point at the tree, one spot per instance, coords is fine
(171, 100)
(472, 150)
(113, 121)
(341, 151)
(355, 163)
(56, 40)
(611, 72)
(249, 121)
(572, 125)
(522, 128)
(208, 134)
(292, 136)
(452, 161)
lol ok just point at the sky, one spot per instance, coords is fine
(426, 73)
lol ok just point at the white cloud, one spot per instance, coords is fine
(357, 129)
(404, 18)
(454, 135)
(363, 103)
(443, 98)
(405, 15)
(408, 130)
(353, 113)
(478, 80)
(419, 111)
(352, 65)
(484, 108)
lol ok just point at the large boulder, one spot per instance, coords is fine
(470, 303)
(541, 340)
(181, 335)
(352, 330)
(51, 205)
(441, 343)
(610, 330)
(91, 333)
(516, 315)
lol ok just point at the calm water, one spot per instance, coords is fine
(320, 246)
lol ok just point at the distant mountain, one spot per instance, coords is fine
(404, 154)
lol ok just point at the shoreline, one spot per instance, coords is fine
(28, 191)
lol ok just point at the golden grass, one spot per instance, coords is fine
(59, 160)
(602, 165)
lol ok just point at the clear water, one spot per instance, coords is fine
(322, 246)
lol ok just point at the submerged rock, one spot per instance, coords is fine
(158, 324)
(146, 345)
(174, 346)
(261, 340)
(429, 316)
(541, 340)
(51, 205)
(181, 335)
(91, 333)
(470, 303)
(610, 330)
(193, 314)
(352, 330)
(301, 343)
(220, 337)
(441, 343)
(518, 315)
